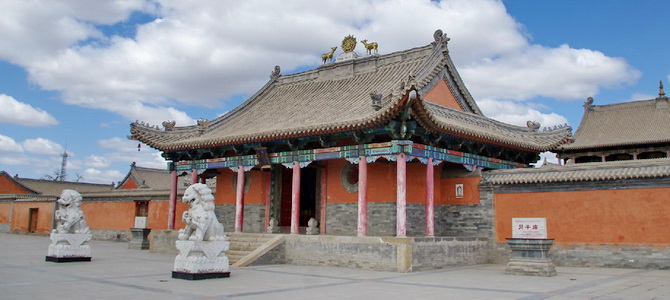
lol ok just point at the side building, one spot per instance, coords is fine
(608, 205)
(28, 205)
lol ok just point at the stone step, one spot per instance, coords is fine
(248, 238)
(245, 245)
(237, 252)
(242, 244)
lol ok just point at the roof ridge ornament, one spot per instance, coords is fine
(588, 103)
(535, 126)
(370, 47)
(203, 124)
(376, 100)
(661, 93)
(169, 125)
(276, 73)
(328, 56)
(348, 44)
(440, 38)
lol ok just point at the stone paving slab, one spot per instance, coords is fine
(116, 272)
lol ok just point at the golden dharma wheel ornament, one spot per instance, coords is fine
(349, 44)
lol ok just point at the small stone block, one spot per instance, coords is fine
(199, 276)
(67, 259)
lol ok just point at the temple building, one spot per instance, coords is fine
(381, 145)
(27, 205)
(622, 131)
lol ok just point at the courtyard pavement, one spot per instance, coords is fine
(116, 272)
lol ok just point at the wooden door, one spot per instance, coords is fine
(32, 223)
(286, 185)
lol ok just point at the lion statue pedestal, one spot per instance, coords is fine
(69, 241)
(202, 243)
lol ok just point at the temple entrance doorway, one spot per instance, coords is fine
(308, 195)
(32, 220)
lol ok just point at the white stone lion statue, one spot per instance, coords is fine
(69, 216)
(201, 222)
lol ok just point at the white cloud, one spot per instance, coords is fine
(15, 112)
(125, 150)
(101, 176)
(639, 96)
(97, 161)
(201, 53)
(549, 157)
(517, 113)
(562, 73)
(9, 145)
(43, 146)
(38, 29)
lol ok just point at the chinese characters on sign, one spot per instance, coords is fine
(529, 228)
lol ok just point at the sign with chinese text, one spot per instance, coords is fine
(529, 228)
(140, 222)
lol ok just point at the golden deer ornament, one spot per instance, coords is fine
(369, 47)
(329, 55)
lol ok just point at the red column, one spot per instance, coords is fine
(194, 176)
(324, 195)
(173, 199)
(295, 199)
(239, 203)
(401, 197)
(430, 199)
(362, 196)
(268, 196)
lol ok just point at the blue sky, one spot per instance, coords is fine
(75, 74)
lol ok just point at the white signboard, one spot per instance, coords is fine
(529, 228)
(140, 222)
(459, 190)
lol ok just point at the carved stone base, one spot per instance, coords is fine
(207, 258)
(530, 257)
(140, 239)
(69, 247)
(530, 268)
(199, 276)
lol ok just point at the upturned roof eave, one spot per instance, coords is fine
(426, 118)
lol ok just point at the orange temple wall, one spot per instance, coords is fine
(626, 216)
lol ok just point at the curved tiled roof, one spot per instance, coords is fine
(485, 129)
(54, 188)
(147, 178)
(615, 170)
(622, 124)
(336, 98)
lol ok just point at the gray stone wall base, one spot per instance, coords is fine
(381, 218)
(526, 267)
(377, 253)
(118, 235)
(163, 241)
(439, 252)
(612, 256)
(597, 255)
(254, 217)
(140, 238)
(342, 218)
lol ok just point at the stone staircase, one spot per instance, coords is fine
(247, 247)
